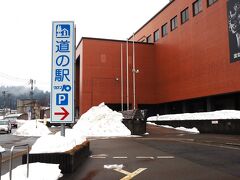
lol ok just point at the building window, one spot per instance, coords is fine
(156, 35)
(210, 2)
(164, 30)
(173, 23)
(149, 39)
(184, 15)
(197, 7)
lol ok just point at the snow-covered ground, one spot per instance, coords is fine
(37, 171)
(223, 114)
(21, 122)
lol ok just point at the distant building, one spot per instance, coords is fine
(45, 113)
(27, 106)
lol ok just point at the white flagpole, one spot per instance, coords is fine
(134, 76)
(127, 79)
(121, 78)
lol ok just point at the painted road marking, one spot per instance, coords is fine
(211, 145)
(113, 166)
(99, 156)
(165, 157)
(145, 157)
(120, 157)
(104, 156)
(130, 175)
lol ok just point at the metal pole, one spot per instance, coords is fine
(134, 76)
(127, 80)
(121, 79)
(11, 155)
(62, 129)
(0, 165)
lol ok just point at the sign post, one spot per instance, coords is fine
(62, 83)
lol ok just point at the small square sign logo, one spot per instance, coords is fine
(63, 31)
(62, 99)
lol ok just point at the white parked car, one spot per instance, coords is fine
(13, 119)
(5, 126)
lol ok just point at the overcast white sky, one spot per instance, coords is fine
(26, 27)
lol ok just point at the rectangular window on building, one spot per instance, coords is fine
(149, 39)
(164, 30)
(197, 7)
(184, 15)
(210, 2)
(156, 35)
(173, 23)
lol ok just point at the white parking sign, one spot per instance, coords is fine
(62, 84)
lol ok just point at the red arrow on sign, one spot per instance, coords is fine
(65, 113)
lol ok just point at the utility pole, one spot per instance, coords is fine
(31, 82)
(9, 101)
(4, 103)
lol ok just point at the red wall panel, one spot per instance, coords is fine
(193, 60)
(101, 72)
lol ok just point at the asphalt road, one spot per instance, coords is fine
(163, 154)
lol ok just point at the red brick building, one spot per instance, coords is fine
(183, 57)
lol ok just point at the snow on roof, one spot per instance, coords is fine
(13, 115)
(214, 115)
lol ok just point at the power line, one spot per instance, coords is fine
(10, 77)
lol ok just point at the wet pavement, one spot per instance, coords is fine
(162, 154)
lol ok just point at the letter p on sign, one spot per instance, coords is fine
(62, 99)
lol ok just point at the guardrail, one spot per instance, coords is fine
(10, 164)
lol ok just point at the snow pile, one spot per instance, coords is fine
(1, 117)
(32, 128)
(37, 171)
(2, 149)
(97, 121)
(21, 122)
(224, 114)
(57, 143)
(52, 144)
(191, 130)
(101, 121)
(71, 133)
